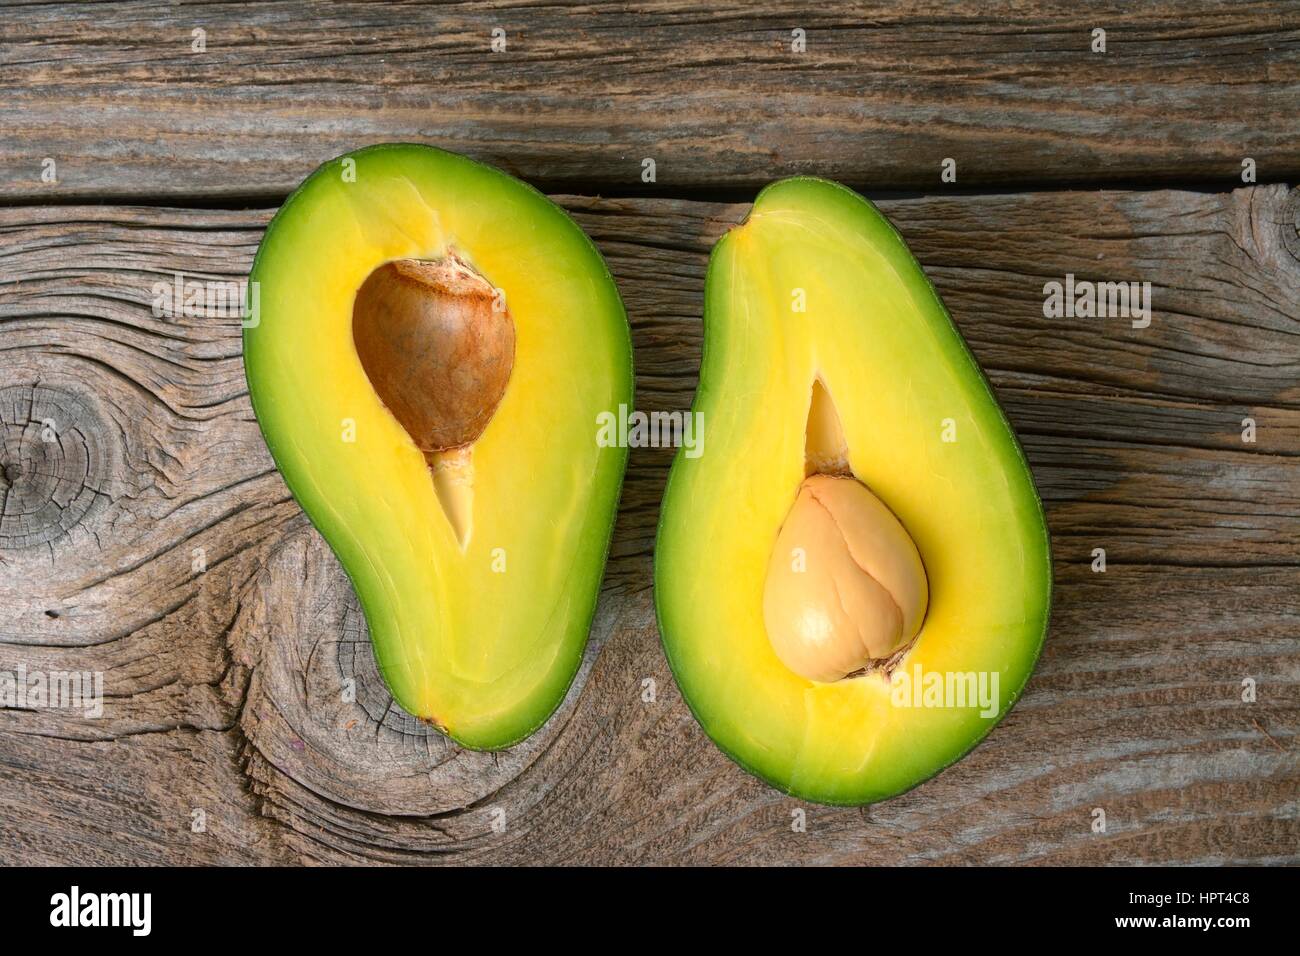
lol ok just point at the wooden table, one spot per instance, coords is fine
(224, 737)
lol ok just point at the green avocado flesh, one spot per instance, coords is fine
(479, 633)
(817, 286)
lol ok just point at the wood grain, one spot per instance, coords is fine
(584, 92)
(224, 687)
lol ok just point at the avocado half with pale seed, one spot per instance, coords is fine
(433, 345)
(853, 584)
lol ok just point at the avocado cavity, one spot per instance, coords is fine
(846, 590)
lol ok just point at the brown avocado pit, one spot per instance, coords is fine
(438, 345)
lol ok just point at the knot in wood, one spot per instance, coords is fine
(52, 464)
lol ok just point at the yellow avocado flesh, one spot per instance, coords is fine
(875, 334)
(481, 639)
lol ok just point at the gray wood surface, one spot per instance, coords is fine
(223, 686)
(583, 92)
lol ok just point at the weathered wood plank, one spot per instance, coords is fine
(224, 686)
(583, 93)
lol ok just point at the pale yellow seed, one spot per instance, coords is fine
(845, 584)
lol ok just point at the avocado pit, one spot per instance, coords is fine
(846, 590)
(438, 347)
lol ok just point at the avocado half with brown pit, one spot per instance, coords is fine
(435, 343)
(853, 585)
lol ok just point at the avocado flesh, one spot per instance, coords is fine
(877, 337)
(485, 654)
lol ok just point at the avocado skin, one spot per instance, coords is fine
(812, 793)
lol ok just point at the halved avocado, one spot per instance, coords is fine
(816, 299)
(478, 606)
